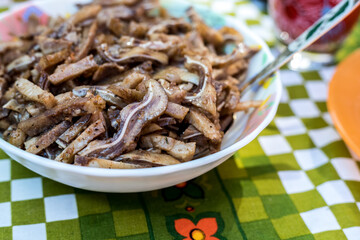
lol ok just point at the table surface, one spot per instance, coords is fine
(297, 180)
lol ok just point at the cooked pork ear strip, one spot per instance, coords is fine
(85, 13)
(136, 54)
(48, 138)
(5, 46)
(133, 118)
(120, 12)
(149, 157)
(205, 95)
(35, 93)
(3, 86)
(152, 127)
(14, 106)
(34, 108)
(49, 45)
(30, 142)
(17, 137)
(129, 95)
(240, 52)
(75, 129)
(177, 149)
(20, 64)
(108, 3)
(80, 142)
(209, 34)
(88, 42)
(176, 111)
(67, 72)
(104, 93)
(72, 108)
(104, 163)
(64, 97)
(53, 59)
(204, 125)
(177, 75)
(243, 106)
(107, 70)
(174, 93)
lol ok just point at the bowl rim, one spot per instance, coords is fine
(156, 171)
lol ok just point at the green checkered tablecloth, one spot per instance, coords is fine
(296, 181)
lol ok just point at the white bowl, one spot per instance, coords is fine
(244, 129)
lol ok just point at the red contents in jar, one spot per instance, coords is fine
(294, 17)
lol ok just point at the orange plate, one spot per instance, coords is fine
(344, 100)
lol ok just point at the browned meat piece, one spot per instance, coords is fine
(103, 92)
(177, 75)
(176, 111)
(243, 106)
(209, 34)
(117, 27)
(48, 138)
(87, 12)
(35, 93)
(20, 64)
(205, 95)
(5, 46)
(72, 108)
(152, 127)
(136, 54)
(72, 132)
(190, 132)
(166, 121)
(140, 156)
(231, 34)
(50, 46)
(177, 149)
(87, 43)
(93, 131)
(3, 86)
(138, 29)
(106, 71)
(204, 125)
(133, 118)
(67, 72)
(13, 105)
(172, 26)
(116, 2)
(121, 12)
(17, 138)
(174, 93)
(129, 95)
(53, 59)
(104, 163)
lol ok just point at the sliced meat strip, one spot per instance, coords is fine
(148, 157)
(67, 72)
(72, 108)
(73, 131)
(85, 13)
(133, 118)
(104, 163)
(176, 111)
(48, 138)
(204, 125)
(35, 93)
(177, 149)
(80, 142)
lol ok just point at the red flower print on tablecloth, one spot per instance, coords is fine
(204, 226)
(203, 230)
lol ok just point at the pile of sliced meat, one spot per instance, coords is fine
(121, 84)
